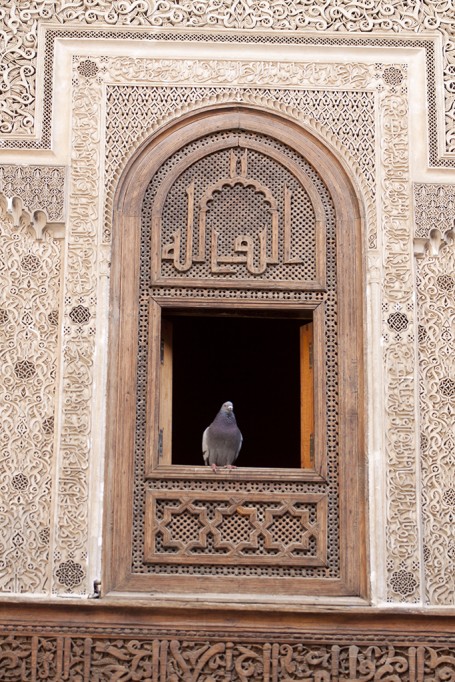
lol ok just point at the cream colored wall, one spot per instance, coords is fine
(55, 222)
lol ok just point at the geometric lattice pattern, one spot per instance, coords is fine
(279, 532)
(252, 528)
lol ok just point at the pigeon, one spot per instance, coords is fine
(222, 440)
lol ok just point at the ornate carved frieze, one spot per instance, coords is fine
(20, 26)
(29, 323)
(163, 654)
(402, 534)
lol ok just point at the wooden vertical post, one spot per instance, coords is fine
(306, 397)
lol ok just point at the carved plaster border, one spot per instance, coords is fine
(21, 29)
(434, 211)
(87, 253)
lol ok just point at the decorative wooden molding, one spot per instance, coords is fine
(85, 642)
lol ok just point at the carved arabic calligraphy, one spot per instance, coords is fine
(256, 251)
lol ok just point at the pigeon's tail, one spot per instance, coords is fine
(206, 458)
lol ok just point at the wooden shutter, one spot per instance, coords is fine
(306, 397)
(165, 418)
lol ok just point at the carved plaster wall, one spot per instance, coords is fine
(29, 330)
(360, 108)
(435, 216)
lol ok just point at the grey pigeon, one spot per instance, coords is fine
(222, 440)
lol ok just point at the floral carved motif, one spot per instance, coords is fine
(19, 29)
(29, 304)
(40, 188)
(436, 301)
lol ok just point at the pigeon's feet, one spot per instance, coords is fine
(229, 466)
(214, 469)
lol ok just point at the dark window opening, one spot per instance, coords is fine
(256, 362)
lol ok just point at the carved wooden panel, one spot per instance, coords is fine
(237, 207)
(271, 528)
(97, 643)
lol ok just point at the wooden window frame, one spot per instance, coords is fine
(118, 520)
(159, 458)
(160, 449)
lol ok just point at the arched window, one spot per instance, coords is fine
(236, 276)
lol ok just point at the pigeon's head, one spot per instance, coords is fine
(227, 407)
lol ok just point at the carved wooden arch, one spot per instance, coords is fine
(123, 364)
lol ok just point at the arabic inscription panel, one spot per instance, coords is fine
(237, 206)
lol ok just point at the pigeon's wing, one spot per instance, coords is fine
(205, 447)
(237, 449)
(240, 445)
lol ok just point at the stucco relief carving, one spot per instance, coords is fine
(434, 210)
(399, 354)
(40, 188)
(434, 214)
(436, 301)
(79, 332)
(29, 319)
(36, 194)
(19, 29)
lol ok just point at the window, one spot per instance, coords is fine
(236, 276)
(261, 363)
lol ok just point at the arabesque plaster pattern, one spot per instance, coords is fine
(97, 156)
